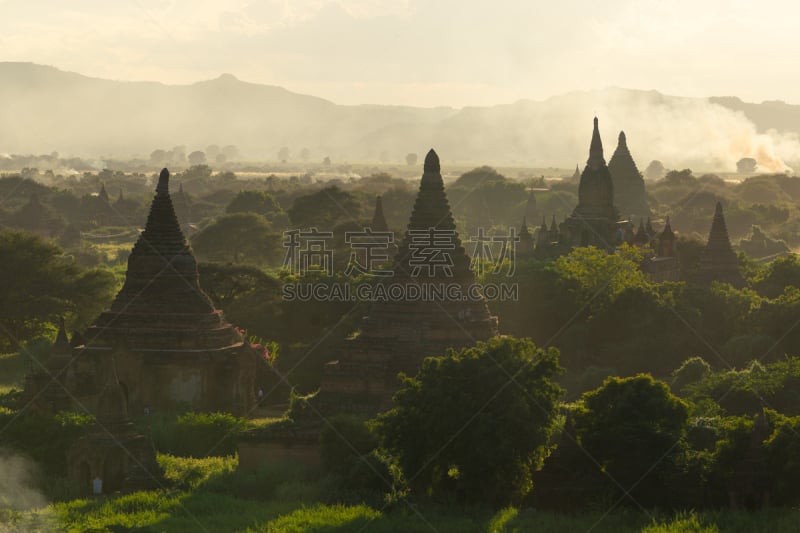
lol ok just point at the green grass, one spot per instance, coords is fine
(209, 494)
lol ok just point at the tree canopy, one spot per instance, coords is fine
(474, 425)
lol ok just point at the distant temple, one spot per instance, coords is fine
(664, 264)
(629, 193)
(718, 262)
(400, 332)
(162, 341)
(594, 220)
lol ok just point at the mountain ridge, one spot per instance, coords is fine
(43, 108)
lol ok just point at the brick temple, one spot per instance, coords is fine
(162, 341)
(398, 334)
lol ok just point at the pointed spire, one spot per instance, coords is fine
(524, 223)
(180, 188)
(163, 182)
(553, 226)
(718, 261)
(719, 230)
(120, 197)
(161, 264)
(431, 162)
(622, 141)
(544, 222)
(648, 227)
(596, 159)
(378, 220)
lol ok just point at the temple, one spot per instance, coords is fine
(112, 450)
(162, 341)
(718, 262)
(664, 264)
(594, 220)
(629, 193)
(401, 330)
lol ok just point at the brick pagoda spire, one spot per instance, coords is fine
(594, 220)
(400, 331)
(629, 192)
(171, 346)
(718, 262)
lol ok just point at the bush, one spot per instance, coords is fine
(464, 430)
(691, 371)
(195, 434)
(633, 428)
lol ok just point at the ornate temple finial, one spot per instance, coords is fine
(432, 162)
(163, 182)
(622, 141)
(718, 209)
(596, 159)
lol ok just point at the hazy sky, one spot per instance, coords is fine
(421, 52)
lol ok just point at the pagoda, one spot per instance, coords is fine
(664, 265)
(718, 261)
(629, 192)
(163, 341)
(401, 330)
(594, 220)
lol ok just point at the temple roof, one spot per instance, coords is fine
(596, 190)
(596, 159)
(718, 236)
(718, 261)
(162, 291)
(629, 189)
(432, 212)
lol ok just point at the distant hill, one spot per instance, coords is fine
(43, 109)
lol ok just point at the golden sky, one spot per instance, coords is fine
(421, 52)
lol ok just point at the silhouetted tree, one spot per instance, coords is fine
(746, 165)
(655, 170)
(197, 158)
(461, 430)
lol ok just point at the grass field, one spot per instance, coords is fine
(211, 495)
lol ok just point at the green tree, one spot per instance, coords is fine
(38, 283)
(239, 237)
(463, 430)
(633, 427)
(600, 276)
(259, 202)
(324, 209)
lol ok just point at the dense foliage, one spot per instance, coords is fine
(473, 426)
